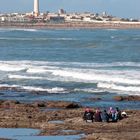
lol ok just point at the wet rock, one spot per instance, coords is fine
(95, 99)
(72, 106)
(40, 104)
(30, 115)
(9, 104)
(127, 98)
(118, 98)
(62, 104)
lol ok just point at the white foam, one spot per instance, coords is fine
(36, 70)
(24, 77)
(23, 29)
(88, 90)
(7, 67)
(93, 77)
(9, 86)
(74, 71)
(49, 90)
(35, 89)
(79, 64)
(118, 87)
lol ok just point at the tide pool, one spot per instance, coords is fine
(31, 134)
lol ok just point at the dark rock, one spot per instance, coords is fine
(56, 114)
(9, 104)
(95, 99)
(40, 104)
(61, 104)
(73, 106)
(127, 98)
(118, 98)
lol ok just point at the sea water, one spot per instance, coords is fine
(31, 134)
(70, 65)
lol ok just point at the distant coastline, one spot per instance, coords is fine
(73, 25)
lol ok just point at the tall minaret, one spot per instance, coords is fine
(36, 8)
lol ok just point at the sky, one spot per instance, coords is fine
(119, 8)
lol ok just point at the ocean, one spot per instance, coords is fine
(70, 65)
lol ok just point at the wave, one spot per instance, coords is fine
(7, 67)
(36, 39)
(48, 90)
(22, 29)
(96, 65)
(93, 77)
(118, 87)
(32, 88)
(111, 29)
(15, 39)
(75, 71)
(89, 90)
(24, 77)
(79, 64)
(17, 29)
(36, 70)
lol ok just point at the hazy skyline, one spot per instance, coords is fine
(120, 8)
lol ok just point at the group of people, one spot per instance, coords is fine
(110, 115)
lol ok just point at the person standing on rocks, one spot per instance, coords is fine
(88, 115)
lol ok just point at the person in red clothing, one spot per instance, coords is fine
(98, 115)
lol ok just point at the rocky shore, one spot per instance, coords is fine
(65, 118)
(74, 25)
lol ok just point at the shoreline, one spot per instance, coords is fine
(55, 118)
(74, 25)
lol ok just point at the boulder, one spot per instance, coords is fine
(72, 106)
(40, 104)
(62, 104)
(127, 98)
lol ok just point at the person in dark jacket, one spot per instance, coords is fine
(118, 114)
(105, 116)
(88, 115)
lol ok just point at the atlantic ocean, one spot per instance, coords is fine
(70, 65)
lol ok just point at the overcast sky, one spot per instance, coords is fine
(121, 8)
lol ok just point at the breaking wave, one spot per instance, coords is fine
(89, 76)
(24, 77)
(122, 76)
(89, 90)
(23, 29)
(11, 67)
(32, 88)
(73, 64)
(119, 87)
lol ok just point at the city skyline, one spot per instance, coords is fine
(118, 8)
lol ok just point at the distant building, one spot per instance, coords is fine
(54, 18)
(15, 19)
(61, 11)
(104, 14)
(36, 8)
